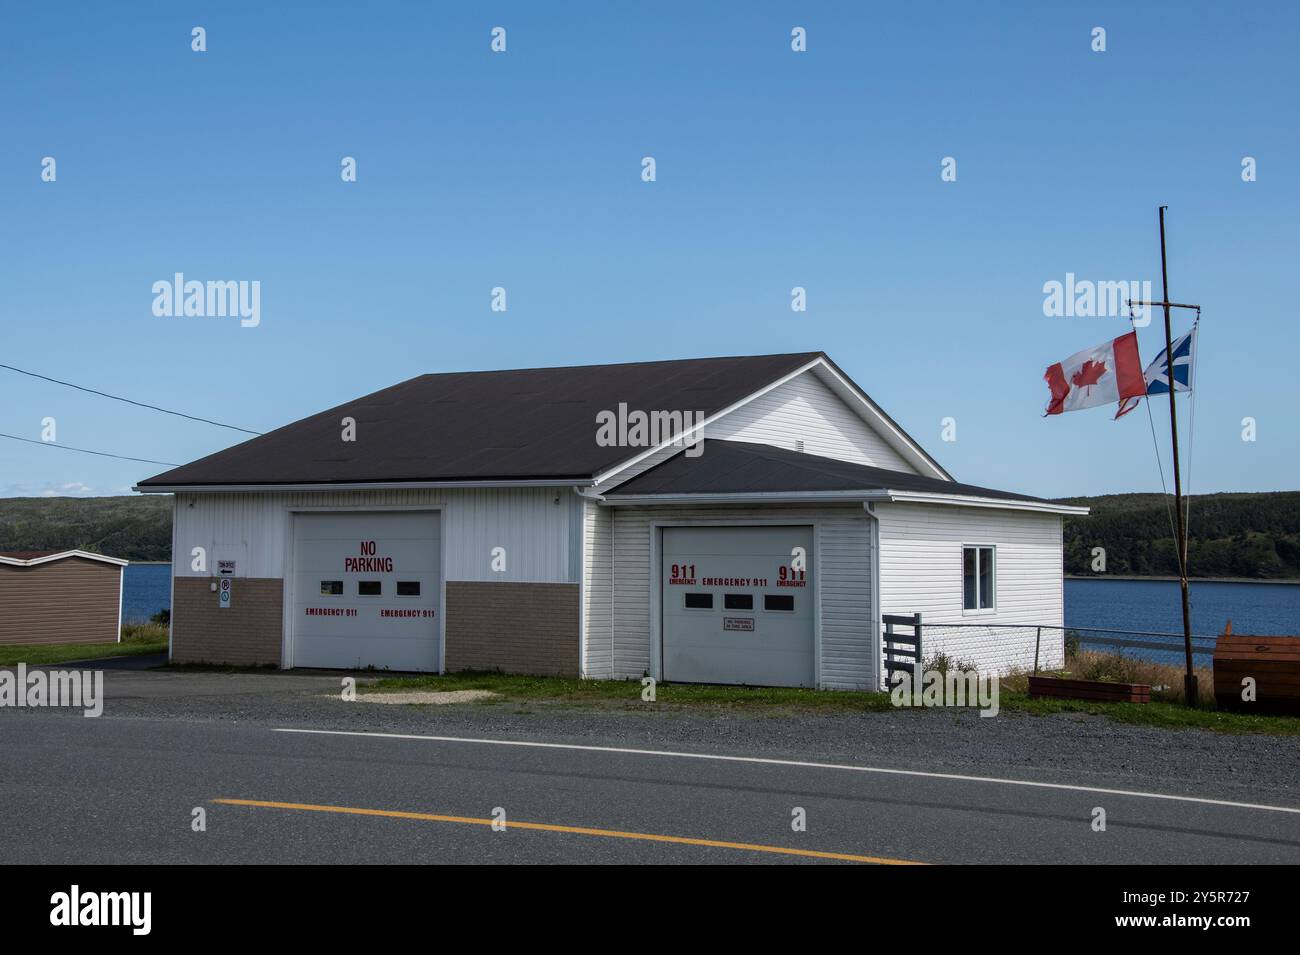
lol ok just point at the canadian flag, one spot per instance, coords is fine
(1102, 375)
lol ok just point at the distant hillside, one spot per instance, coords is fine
(133, 528)
(1232, 535)
(1229, 535)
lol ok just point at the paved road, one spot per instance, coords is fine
(120, 790)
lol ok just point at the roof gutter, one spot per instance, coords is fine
(960, 500)
(753, 497)
(836, 497)
(356, 486)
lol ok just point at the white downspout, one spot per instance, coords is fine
(868, 509)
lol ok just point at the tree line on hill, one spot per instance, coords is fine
(133, 528)
(1250, 535)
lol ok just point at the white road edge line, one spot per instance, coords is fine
(765, 761)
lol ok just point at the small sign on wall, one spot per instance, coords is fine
(224, 593)
(738, 623)
(226, 568)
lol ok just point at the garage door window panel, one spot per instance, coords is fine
(408, 588)
(738, 601)
(698, 601)
(370, 588)
(331, 588)
(783, 603)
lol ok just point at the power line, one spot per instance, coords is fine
(138, 404)
(102, 454)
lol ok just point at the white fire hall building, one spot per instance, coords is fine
(482, 521)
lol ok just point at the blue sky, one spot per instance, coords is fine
(775, 169)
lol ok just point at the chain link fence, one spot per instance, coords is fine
(1008, 645)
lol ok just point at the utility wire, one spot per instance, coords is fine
(138, 404)
(102, 454)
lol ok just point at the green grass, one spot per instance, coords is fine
(137, 640)
(1166, 709)
(519, 691)
(1161, 714)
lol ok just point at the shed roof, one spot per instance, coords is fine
(31, 558)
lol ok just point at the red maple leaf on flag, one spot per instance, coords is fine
(1089, 373)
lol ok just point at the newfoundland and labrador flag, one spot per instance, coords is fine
(1157, 373)
(1096, 376)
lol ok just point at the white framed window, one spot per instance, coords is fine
(979, 578)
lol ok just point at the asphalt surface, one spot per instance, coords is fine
(123, 787)
(146, 661)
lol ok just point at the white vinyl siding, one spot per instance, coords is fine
(803, 409)
(598, 658)
(252, 528)
(921, 571)
(849, 649)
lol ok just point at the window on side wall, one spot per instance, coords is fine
(978, 578)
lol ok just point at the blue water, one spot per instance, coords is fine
(146, 589)
(1259, 609)
(1155, 605)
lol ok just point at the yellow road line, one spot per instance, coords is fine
(574, 830)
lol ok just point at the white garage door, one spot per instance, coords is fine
(366, 590)
(734, 608)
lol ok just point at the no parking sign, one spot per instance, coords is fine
(223, 594)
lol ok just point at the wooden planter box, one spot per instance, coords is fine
(1089, 690)
(1273, 662)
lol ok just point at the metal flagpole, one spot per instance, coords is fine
(1189, 678)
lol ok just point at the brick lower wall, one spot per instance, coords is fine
(513, 627)
(248, 633)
